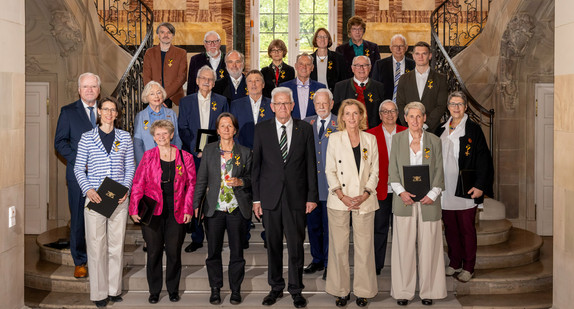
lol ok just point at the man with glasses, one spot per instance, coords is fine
(388, 112)
(233, 85)
(303, 87)
(212, 57)
(361, 88)
(284, 180)
(389, 70)
(356, 28)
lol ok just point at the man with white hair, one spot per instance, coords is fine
(389, 70)
(232, 86)
(212, 57)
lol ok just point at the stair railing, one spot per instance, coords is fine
(453, 27)
(130, 24)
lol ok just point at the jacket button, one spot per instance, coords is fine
(318, 152)
(339, 161)
(343, 185)
(341, 173)
(319, 143)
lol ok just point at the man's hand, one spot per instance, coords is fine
(475, 193)
(257, 210)
(309, 206)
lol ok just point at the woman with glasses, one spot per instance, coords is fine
(166, 175)
(278, 71)
(329, 65)
(105, 151)
(465, 158)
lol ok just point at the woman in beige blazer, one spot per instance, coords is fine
(352, 170)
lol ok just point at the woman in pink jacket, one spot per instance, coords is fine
(166, 175)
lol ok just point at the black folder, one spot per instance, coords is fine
(467, 179)
(146, 208)
(205, 137)
(111, 192)
(417, 180)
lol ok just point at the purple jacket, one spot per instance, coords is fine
(148, 181)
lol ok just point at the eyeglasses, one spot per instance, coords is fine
(361, 66)
(323, 37)
(388, 111)
(357, 29)
(276, 50)
(398, 46)
(281, 103)
(211, 80)
(211, 42)
(109, 110)
(456, 104)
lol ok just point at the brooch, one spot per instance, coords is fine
(282, 74)
(330, 65)
(221, 73)
(312, 122)
(262, 112)
(367, 52)
(237, 157)
(370, 95)
(427, 153)
(365, 154)
(246, 91)
(407, 70)
(429, 83)
(179, 171)
(116, 146)
(146, 122)
(329, 131)
(311, 94)
(333, 123)
(467, 153)
(213, 106)
(169, 62)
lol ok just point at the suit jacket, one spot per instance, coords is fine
(189, 121)
(313, 87)
(474, 155)
(383, 72)
(118, 165)
(336, 69)
(287, 73)
(370, 50)
(196, 62)
(296, 178)
(400, 156)
(373, 94)
(174, 67)
(143, 140)
(377, 131)
(321, 143)
(209, 179)
(148, 181)
(341, 170)
(241, 109)
(434, 96)
(73, 121)
(224, 87)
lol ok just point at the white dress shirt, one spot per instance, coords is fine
(389, 142)
(214, 62)
(303, 96)
(88, 110)
(421, 81)
(203, 103)
(255, 105)
(321, 69)
(288, 129)
(236, 82)
(326, 122)
(402, 68)
(359, 82)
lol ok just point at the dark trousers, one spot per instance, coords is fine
(163, 232)
(77, 227)
(383, 220)
(215, 227)
(288, 222)
(318, 230)
(460, 234)
(198, 234)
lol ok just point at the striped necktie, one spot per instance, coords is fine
(283, 143)
(397, 76)
(92, 116)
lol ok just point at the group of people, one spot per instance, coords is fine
(319, 145)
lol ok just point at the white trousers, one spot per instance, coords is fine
(105, 243)
(432, 281)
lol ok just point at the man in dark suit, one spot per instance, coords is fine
(284, 179)
(356, 28)
(424, 85)
(212, 57)
(75, 119)
(303, 87)
(361, 88)
(166, 64)
(389, 70)
(233, 85)
(323, 124)
(199, 111)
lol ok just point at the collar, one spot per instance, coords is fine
(158, 113)
(253, 102)
(214, 58)
(236, 81)
(395, 61)
(327, 119)
(353, 44)
(359, 82)
(276, 67)
(300, 83)
(287, 124)
(202, 98)
(423, 73)
(86, 105)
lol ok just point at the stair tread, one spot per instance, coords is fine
(519, 241)
(493, 226)
(532, 300)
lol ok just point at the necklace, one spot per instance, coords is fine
(322, 58)
(450, 125)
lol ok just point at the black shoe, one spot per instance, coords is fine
(271, 298)
(313, 267)
(153, 298)
(325, 274)
(101, 303)
(379, 271)
(174, 297)
(115, 299)
(192, 247)
(246, 245)
(265, 244)
(361, 301)
(235, 298)
(427, 302)
(402, 302)
(342, 301)
(144, 248)
(299, 301)
(215, 297)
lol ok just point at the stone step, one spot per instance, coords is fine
(522, 248)
(532, 300)
(492, 232)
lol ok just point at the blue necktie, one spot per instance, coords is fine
(92, 116)
(397, 76)
(322, 129)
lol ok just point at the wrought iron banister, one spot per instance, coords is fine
(458, 25)
(130, 24)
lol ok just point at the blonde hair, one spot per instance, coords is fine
(362, 111)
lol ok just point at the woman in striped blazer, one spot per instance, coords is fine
(105, 151)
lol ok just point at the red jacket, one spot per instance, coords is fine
(382, 187)
(148, 181)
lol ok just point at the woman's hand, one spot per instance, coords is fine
(196, 214)
(123, 199)
(357, 201)
(234, 182)
(199, 154)
(426, 200)
(93, 196)
(407, 198)
(186, 218)
(136, 218)
(475, 193)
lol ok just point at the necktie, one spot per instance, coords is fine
(276, 76)
(322, 129)
(397, 76)
(92, 116)
(362, 85)
(283, 143)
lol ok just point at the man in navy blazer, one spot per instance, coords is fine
(303, 87)
(233, 85)
(324, 123)
(389, 70)
(75, 119)
(251, 109)
(212, 57)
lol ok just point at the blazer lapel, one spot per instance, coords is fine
(429, 85)
(295, 136)
(82, 113)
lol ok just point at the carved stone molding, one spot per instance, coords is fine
(33, 66)
(66, 31)
(513, 45)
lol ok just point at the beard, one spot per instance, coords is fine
(213, 54)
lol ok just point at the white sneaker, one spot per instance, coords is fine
(451, 271)
(464, 276)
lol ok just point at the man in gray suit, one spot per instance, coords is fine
(324, 123)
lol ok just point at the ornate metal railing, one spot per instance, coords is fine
(453, 27)
(130, 24)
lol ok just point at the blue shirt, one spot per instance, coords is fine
(357, 48)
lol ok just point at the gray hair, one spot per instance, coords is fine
(368, 59)
(325, 91)
(388, 101)
(207, 68)
(304, 55)
(86, 75)
(457, 94)
(415, 105)
(281, 90)
(208, 33)
(241, 56)
(147, 89)
(169, 27)
(398, 36)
